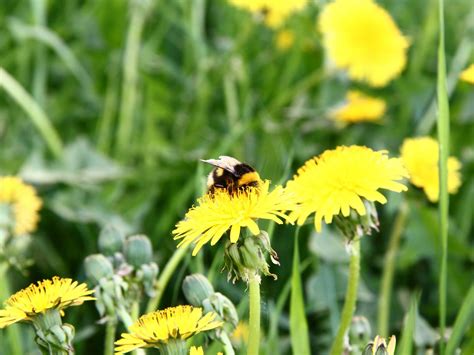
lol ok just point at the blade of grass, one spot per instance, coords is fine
(298, 324)
(33, 110)
(464, 317)
(443, 137)
(40, 70)
(406, 344)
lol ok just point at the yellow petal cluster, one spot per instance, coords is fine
(217, 213)
(339, 180)
(275, 12)
(196, 351)
(420, 156)
(467, 74)
(359, 108)
(157, 328)
(24, 202)
(362, 38)
(57, 293)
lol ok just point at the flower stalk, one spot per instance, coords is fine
(350, 298)
(254, 314)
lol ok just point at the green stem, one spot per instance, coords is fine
(351, 299)
(443, 208)
(388, 271)
(130, 69)
(254, 316)
(228, 349)
(110, 329)
(33, 110)
(40, 71)
(13, 331)
(165, 276)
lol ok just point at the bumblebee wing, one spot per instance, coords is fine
(225, 162)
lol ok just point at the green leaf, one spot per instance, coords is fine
(405, 347)
(298, 324)
(463, 319)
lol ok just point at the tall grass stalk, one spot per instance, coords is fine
(40, 70)
(350, 299)
(443, 137)
(139, 9)
(389, 270)
(298, 324)
(33, 110)
(254, 315)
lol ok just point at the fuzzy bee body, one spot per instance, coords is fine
(230, 174)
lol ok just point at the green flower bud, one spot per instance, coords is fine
(111, 240)
(138, 250)
(224, 307)
(359, 332)
(196, 289)
(98, 267)
(248, 256)
(148, 274)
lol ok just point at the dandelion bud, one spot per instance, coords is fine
(220, 304)
(148, 273)
(196, 289)
(138, 250)
(98, 267)
(110, 240)
(380, 347)
(248, 256)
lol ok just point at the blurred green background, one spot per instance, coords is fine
(139, 91)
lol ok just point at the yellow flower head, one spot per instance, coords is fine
(196, 351)
(284, 39)
(275, 12)
(420, 156)
(361, 37)
(24, 202)
(217, 213)
(468, 74)
(173, 323)
(338, 180)
(57, 293)
(359, 108)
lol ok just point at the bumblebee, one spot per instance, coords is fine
(231, 175)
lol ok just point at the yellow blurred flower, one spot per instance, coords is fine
(172, 324)
(57, 293)
(196, 351)
(420, 156)
(217, 213)
(468, 74)
(284, 39)
(24, 202)
(240, 335)
(274, 12)
(339, 180)
(359, 108)
(362, 38)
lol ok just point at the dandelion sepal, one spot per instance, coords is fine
(174, 347)
(52, 335)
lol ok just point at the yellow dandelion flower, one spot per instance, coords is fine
(362, 38)
(338, 180)
(359, 108)
(57, 293)
(468, 74)
(24, 202)
(157, 328)
(284, 39)
(219, 212)
(420, 156)
(275, 12)
(196, 351)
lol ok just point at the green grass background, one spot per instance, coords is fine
(210, 82)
